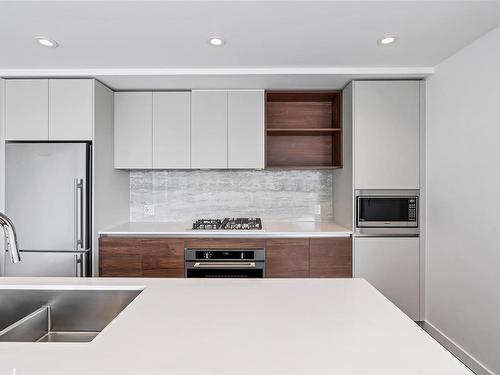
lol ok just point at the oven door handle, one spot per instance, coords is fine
(224, 265)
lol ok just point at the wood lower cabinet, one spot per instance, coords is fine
(285, 257)
(141, 257)
(330, 257)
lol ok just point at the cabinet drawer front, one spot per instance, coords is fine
(330, 257)
(119, 265)
(287, 258)
(141, 257)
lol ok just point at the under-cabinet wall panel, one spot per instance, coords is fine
(27, 109)
(133, 130)
(172, 130)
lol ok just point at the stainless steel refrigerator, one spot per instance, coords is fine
(47, 196)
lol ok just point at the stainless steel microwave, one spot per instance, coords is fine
(390, 212)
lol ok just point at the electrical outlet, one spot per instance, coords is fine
(149, 209)
(317, 209)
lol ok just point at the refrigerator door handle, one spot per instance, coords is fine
(79, 214)
(80, 265)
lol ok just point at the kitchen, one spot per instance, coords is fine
(296, 204)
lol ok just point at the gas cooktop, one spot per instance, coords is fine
(240, 223)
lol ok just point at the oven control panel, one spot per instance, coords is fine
(224, 254)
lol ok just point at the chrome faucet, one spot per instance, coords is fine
(11, 236)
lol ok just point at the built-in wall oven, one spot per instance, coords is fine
(225, 263)
(387, 212)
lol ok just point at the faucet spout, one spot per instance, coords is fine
(11, 236)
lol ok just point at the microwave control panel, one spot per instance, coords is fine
(412, 209)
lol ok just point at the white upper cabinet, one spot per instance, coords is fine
(212, 129)
(71, 109)
(386, 134)
(172, 130)
(133, 130)
(245, 138)
(391, 264)
(27, 109)
(49, 109)
(209, 129)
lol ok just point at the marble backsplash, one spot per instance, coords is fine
(272, 195)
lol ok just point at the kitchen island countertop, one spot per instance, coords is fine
(238, 326)
(272, 229)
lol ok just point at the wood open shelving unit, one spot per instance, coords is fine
(304, 129)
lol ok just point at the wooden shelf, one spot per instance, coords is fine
(303, 130)
(318, 167)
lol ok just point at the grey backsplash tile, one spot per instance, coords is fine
(272, 195)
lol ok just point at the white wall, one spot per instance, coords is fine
(463, 199)
(343, 193)
(2, 170)
(110, 186)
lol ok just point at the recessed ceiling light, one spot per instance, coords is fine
(46, 42)
(387, 40)
(216, 41)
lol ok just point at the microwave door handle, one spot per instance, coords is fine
(358, 209)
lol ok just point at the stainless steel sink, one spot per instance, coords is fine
(59, 315)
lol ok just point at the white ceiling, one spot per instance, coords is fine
(162, 44)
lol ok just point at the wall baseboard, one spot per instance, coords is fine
(455, 349)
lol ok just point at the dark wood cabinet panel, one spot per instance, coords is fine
(119, 265)
(224, 243)
(287, 257)
(164, 257)
(330, 257)
(136, 257)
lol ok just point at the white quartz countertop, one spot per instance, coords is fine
(271, 229)
(239, 326)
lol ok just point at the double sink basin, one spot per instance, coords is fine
(59, 315)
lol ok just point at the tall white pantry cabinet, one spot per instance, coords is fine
(386, 130)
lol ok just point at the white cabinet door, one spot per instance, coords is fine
(391, 264)
(172, 130)
(133, 130)
(27, 109)
(245, 138)
(71, 109)
(209, 129)
(386, 134)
